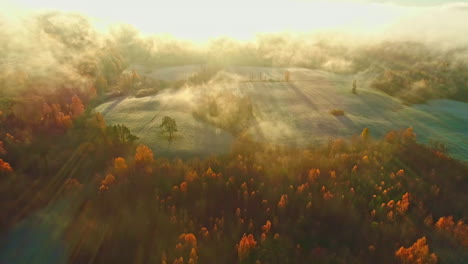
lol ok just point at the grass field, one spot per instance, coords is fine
(291, 113)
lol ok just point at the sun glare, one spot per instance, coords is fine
(206, 19)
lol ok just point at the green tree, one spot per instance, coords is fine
(168, 125)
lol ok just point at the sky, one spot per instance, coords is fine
(201, 20)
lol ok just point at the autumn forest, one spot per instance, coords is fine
(120, 147)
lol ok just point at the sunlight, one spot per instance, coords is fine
(206, 19)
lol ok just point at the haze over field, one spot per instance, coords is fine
(294, 113)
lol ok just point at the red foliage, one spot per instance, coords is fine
(183, 187)
(110, 179)
(313, 174)
(403, 204)
(459, 230)
(267, 227)
(188, 240)
(283, 201)
(5, 166)
(417, 253)
(246, 244)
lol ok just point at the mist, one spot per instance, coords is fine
(398, 49)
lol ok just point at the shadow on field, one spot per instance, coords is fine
(346, 121)
(303, 96)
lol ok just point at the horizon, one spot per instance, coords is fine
(206, 20)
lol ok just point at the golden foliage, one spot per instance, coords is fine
(183, 187)
(365, 160)
(303, 187)
(267, 227)
(445, 223)
(313, 174)
(209, 173)
(243, 186)
(459, 230)
(326, 194)
(63, 120)
(144, 155)
(10, 137)
(403, 204)
(103, 188)
(418, 253)
(193, 257)
(365, 134)
(5, 166)
(108, 180)
(390, 216)
(283, 201)
(246, 244)
(77, 107)
(120, 165)
(189, 240)
(400, 173)
(205, 233)
(179, 261)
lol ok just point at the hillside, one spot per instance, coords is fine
(295, 113)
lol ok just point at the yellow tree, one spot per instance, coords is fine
(5, 166)
(144, 155)
(77, 107)
(144, 159)
(246, 244)
(416, 254)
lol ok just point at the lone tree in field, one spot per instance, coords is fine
(168, 125)
(354, 87)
